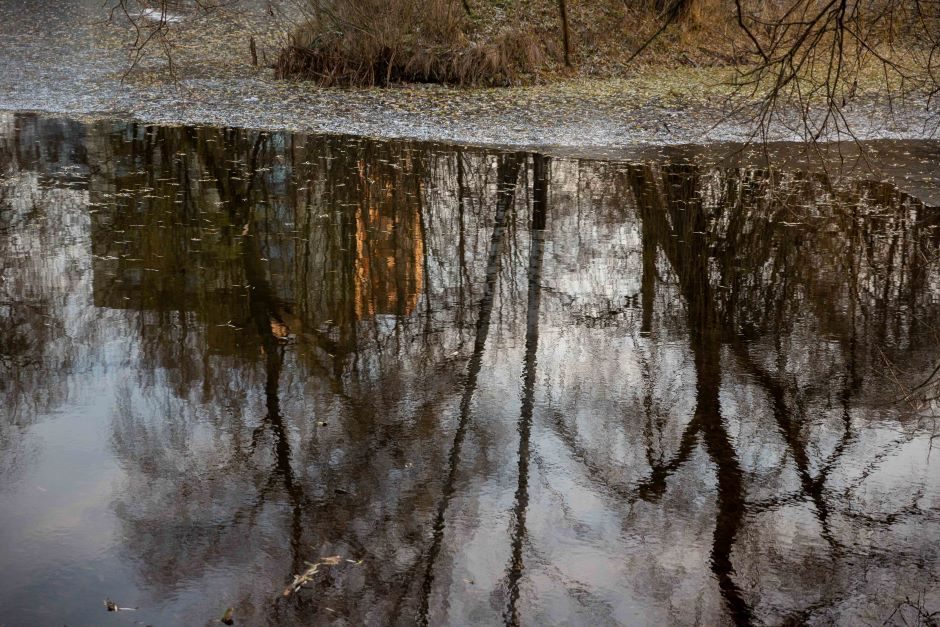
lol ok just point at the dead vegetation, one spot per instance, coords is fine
(796, 64)
(490, 42)
(377, 42)
(814, 55)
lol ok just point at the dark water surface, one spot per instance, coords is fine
(500, 387)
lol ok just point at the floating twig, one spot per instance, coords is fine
(305, 577)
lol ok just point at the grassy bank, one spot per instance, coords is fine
(502, 42)
(662, 97)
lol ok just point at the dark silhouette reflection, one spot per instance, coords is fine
(474, 386)
(678, 221)
(540, 177)
(507, 177)
(681, 223)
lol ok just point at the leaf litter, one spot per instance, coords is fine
(63, 58)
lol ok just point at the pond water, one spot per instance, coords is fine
(469, 386)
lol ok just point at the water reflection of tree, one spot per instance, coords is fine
(314, 295)
(540, 179)
(749, 261)
(40, 210)
(273, 283)
(508, 176)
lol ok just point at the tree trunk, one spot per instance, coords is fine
(563, 12)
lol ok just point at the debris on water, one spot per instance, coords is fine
(114, 607)
(305, 577)
(228, 618)
(301, 579)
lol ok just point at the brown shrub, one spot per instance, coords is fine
(376, 42)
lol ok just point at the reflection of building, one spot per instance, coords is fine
(168, 230)
(389, 257)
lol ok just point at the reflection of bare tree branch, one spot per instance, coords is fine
(647, 489)
(813, 487)
(263, 308)
(690, 263)
(509, 166)
(540, 170)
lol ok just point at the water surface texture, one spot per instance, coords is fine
(470, 386)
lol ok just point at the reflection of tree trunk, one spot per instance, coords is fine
(813, 487)
(706, 346)
(648, 285)
(426, 262)
(646, 194)
(462, 273)
(540, 166)
(263, 308)
(649, 201)
(508, 175)
(687, 252)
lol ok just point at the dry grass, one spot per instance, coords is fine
(513, 42)
(377, 42)
(499, 42)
